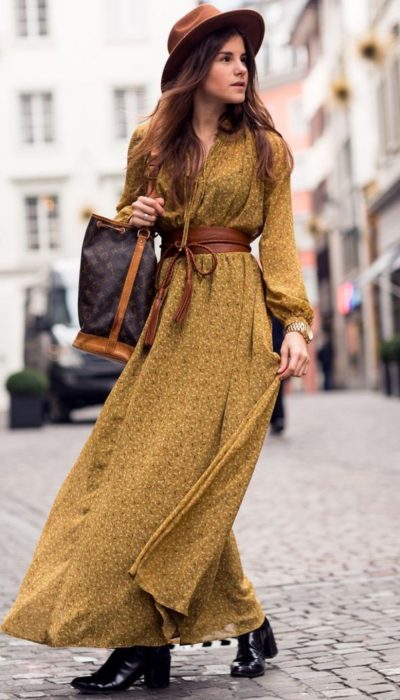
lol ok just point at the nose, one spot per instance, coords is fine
(239, 68)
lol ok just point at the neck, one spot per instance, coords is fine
(206, 112)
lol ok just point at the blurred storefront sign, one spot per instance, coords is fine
(348, 298)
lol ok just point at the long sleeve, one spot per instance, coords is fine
(134, 177)
(286, 295)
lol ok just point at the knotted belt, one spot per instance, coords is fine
(199, 240)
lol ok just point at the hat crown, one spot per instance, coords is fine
(199, 23)
(189, 22)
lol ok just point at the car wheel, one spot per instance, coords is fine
(59, 410)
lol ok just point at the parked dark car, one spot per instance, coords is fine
(77, 379)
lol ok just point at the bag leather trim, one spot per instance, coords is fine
(111, 349)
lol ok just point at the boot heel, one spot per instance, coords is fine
(158, 665)
(270, 647)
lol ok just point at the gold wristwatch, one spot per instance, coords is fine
(303, 328)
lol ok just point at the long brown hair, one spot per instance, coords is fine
(170, 132)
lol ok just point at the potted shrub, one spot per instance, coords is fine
(27, 389)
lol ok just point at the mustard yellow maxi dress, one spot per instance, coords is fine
(138, 546)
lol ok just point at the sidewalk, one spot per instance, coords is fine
(318, 532)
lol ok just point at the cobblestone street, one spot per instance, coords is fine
(318, 532)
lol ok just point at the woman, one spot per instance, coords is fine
(138, 550)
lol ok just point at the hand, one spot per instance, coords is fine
(153, 206)
(295, 359)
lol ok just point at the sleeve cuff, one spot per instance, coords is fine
(124, 214)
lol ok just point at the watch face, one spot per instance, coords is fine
(310, 334)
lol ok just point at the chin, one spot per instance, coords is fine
(238, 101)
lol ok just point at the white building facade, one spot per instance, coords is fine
(75, 78)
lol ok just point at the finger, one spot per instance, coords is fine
(306, 367)
(292, 366)
(140, 209)
(287, 373)
(301, 357)
(286, 369)
(304, 364)
(140, 221)
(284, 360)
(296, 364)
(302, 367)
(146, 219)
(153, 203)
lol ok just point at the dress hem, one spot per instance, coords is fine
(109, 644)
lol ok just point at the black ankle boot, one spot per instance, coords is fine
(158, 664)
(126, 665)
(253, 648)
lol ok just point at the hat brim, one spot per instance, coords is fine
(249, 21)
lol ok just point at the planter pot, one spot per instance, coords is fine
(26, 411)
(390, 378)
(386, 382)
(394, 377)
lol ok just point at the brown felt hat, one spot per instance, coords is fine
(200, 22)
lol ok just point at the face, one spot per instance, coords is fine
(227, 78)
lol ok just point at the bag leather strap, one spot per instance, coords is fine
(134, 265)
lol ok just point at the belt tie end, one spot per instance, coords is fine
(188, 286)
(154, 316)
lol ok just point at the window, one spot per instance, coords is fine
(382, 112)
(389, 109)
(274, 12)
(265, 52)
(319, 197)
(318, 123)
(63, 306)
(300, 58)
(376, 8)
(345, 185)
(345, 166)
(129, 105)
(31, 17)
(350, 249)
(297, 122)
(36, 111)
(42, 222)
(394, 82)
(299, 178)
(127, 19)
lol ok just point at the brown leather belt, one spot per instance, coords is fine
(202, 239)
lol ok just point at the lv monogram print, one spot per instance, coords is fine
(106, 254)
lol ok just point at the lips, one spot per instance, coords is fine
(238, 85)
